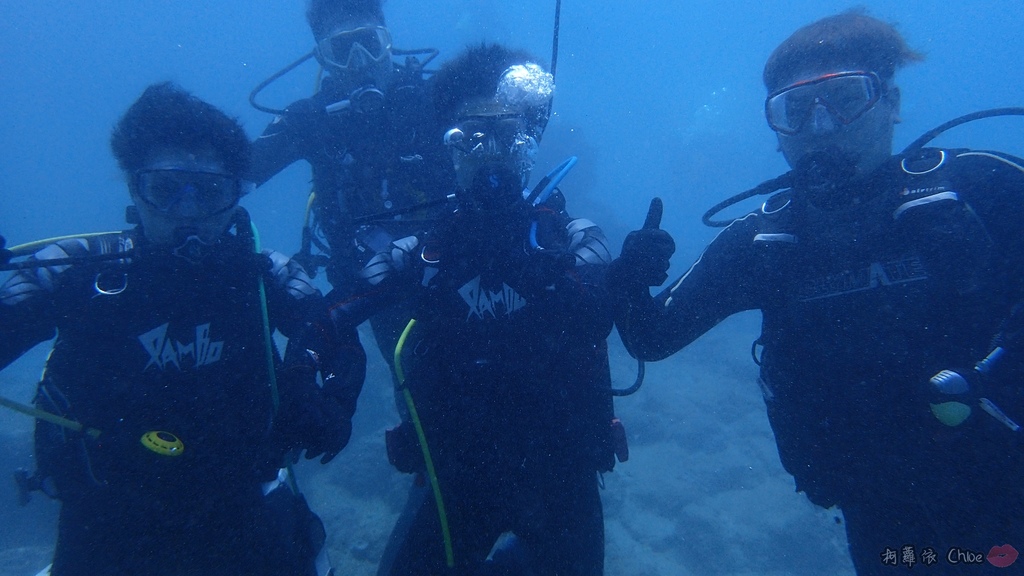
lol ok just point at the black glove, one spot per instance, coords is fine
(644, 260)
(544, 267)
(403, 446)
(330, 434)
(313, 421)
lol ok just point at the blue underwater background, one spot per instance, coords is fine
(657, 98)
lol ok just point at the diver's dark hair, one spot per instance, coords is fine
(324, 15)
(473, 74)
(851, 39)
(166, 116)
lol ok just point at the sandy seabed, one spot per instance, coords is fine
(703, 492)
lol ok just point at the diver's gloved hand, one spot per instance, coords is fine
(403, 446)
(310, 420)
(544, 267)
(644, 260)
(310, 263)
(330, 432)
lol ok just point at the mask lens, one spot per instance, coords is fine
(340, 49)
(851, 96)
(494, 135)
(165, 189)
(484, 145)
(846, 96)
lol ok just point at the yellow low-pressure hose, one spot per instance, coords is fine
(431, 473)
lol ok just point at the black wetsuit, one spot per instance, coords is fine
(363, 164)
(154, 343)
(508, 368)
(866, 293)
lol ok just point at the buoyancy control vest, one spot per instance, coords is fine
(155, 343)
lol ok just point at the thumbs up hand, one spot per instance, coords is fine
(646, 252)
(654, 213)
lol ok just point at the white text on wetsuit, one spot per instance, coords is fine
(875, 275)
(164, 351)
(482, 301)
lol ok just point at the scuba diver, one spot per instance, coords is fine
(505, 366)
(369, 133)
(890, 350)
(165, 413)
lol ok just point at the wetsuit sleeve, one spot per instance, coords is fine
(317, 418)
(283, 142)
(312, 417)
(390, 277)
(301, 313)
(28, 307)
(334, 352)
(582, 296)
(722, 282)
(992, 184)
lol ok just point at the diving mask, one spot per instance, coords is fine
(494, 141)
(498, 136)
(479, 141)
(165, 189)
(355, 49)
(846, 96)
